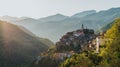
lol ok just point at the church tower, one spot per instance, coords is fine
(82, 26)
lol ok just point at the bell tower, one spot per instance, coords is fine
(82, 26)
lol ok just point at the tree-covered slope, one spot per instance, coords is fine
(105, 27)
(17, 47)
(109, 55)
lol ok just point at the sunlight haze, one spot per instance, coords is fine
(43, 8)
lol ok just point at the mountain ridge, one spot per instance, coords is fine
(47, 27)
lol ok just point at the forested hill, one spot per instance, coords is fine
(17, 47)
(106, 27)
(108, 55)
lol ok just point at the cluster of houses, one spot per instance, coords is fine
(62, 56)
(75, 40)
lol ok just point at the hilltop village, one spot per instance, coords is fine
(71, 43)
(76, 40)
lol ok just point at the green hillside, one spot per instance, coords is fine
(17, 47)
(108, 55)
(106, 27)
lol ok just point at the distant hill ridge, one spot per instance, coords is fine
(53, 27)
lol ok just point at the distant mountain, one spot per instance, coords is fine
(42, 40)
(8, 18)
(18, 46)
(105, 16)
(20, 21)
(83, 14)
(105, 27)
(26, 21)
(57, 17)
(53, 27)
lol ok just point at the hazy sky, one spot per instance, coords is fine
(42, 8)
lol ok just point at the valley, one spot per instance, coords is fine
(85, 39)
